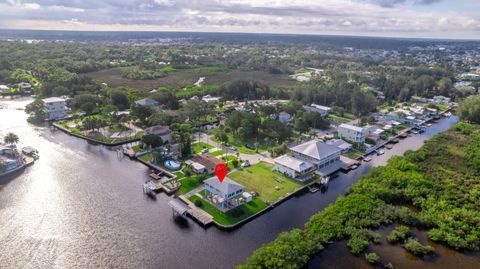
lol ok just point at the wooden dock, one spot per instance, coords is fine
(197, 214)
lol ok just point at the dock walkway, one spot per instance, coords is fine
(199, 215)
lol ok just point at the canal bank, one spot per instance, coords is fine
(80, 205)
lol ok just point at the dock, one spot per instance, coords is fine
(197, 214)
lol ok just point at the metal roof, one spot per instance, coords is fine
(316, 149)
(293, 163)
(227, 186)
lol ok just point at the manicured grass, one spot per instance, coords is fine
(147, 157)
(233, 216)
(353, 154)
(198, 147)
(217, 153)
(179, 174)
(240, 145)
(189, 183)
(261, 179)
(338, 118)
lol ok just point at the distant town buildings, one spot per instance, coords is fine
(147, 102)
(352, 133)
(55, 107)
(322, 110)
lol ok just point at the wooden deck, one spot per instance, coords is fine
(199, 215)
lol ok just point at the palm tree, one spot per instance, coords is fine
(11, 139)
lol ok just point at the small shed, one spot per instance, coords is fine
(247, 197)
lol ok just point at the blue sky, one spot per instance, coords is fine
(397, 18)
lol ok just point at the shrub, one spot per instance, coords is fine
(198, 203)
(413, 246)
(400, 233)
(372, 257)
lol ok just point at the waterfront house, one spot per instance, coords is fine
(163, 132)
(224, 195)
(147, 102)
(317, 153)
(352, 133)
(322, 110)
(374, 133)
(55, 107)
(340, 143)
(441, 100)
(294, 168)
(208, 161)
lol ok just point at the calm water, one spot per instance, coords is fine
(82, 206)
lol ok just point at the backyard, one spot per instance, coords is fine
(101, 128)
(261, 179)
(233, 216)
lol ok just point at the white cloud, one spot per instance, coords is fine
(167, 3)
(22, 5)
(366, 17)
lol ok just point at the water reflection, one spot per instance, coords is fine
(82, 206)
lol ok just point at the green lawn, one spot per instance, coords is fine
(261, 179)
(217, 153)
(189, 183)
(198, 147)
(147, 157)
(338, 118)
(233, 216)
(353, 154)
(240, 145)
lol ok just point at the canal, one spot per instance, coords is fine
(82, 206)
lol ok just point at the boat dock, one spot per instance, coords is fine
(197, 214)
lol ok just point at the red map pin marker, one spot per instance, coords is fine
(221, 170)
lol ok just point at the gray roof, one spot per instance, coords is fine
(339, 143)
(293, 163)
(53, 100)
(316, 149)
(226, 186)
(158, 130)
(351, 127)
(146, 102)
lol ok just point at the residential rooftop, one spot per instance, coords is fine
(226, 186)
(53, 100)
(316, 149)
(293, 163)
(351, 127)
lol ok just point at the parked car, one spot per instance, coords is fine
(205, 150)
(249, 146)
(245, 164)
(380, 152)
(233, 148)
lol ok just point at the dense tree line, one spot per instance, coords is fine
(438, 182)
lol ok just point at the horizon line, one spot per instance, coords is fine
(250, 33)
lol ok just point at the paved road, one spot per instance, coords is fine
(252, 158)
